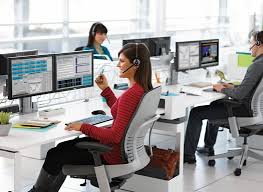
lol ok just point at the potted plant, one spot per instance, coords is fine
(4, 123)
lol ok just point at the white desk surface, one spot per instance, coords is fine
(201, 97)
(20, 139)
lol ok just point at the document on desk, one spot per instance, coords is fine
(191, 91)
(35, 124)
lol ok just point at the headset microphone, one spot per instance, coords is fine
(128, 68)
(252, 46)
(136, 61)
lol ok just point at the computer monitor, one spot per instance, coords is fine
(30, 75)
(145, 41)
(209, 53)
(196, 54)
(4, 56)
(73, 70)
(187, 55)
(160, 46)
(156, 45)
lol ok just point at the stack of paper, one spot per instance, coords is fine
(36, 123)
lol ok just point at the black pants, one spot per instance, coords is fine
(66, 153)
(210, 112)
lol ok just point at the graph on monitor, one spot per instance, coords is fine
(74, 70)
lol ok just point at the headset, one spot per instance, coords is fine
(136, 61)
(93, 33)
(258, 42)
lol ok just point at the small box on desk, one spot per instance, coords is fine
(174, 106)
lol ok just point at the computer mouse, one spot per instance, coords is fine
(98, 112)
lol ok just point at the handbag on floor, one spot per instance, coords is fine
(163, 165)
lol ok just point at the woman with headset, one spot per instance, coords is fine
(134, 64)
(97, 35)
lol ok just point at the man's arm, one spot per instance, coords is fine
(252, 77)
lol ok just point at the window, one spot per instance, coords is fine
(7, 18)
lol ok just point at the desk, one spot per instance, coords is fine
(175, 108)
(12, 145)
(17, 140)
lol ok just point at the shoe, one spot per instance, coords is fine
(208, 151)
(190, 159)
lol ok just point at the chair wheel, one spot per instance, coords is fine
(211, 163)
(230, 158)
(245, 163)
(237, 172)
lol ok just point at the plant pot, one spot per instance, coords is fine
(4, 129)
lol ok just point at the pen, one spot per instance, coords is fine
(102, 71)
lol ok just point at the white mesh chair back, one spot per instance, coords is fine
(133, 143)
(256, 107)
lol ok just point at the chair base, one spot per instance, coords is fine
(244, 152)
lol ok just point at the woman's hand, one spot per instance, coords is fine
(102, 82)
(73, 126)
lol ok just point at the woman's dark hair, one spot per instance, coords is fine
(95, 28)
(257, 36)
(143, 75)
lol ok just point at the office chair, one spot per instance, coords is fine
(111, 177)
(79, 48)
(242, 127)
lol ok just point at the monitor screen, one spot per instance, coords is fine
(145, 41)
(4, 56)
(157, 46)
(160, 46)
(30, 75)
(209, 52)
(74, 70)
(187, 55)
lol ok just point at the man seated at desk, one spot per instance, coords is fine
(242, 93)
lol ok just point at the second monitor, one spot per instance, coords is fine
(196, 54)
(73, 70)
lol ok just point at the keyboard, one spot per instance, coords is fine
(200, 84)
(96, 119)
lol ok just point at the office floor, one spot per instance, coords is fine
(199, 177)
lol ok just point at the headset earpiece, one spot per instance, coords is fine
(257, 39)
(136, 61)
(93, 33)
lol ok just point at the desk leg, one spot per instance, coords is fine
(179, 145)
(17, 172)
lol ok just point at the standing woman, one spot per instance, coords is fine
(97, 35)
(134, 64)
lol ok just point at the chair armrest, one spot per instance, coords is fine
(95, 148)
(229, 104)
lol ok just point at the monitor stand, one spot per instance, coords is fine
(27, 106)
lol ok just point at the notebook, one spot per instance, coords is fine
(35, 123)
